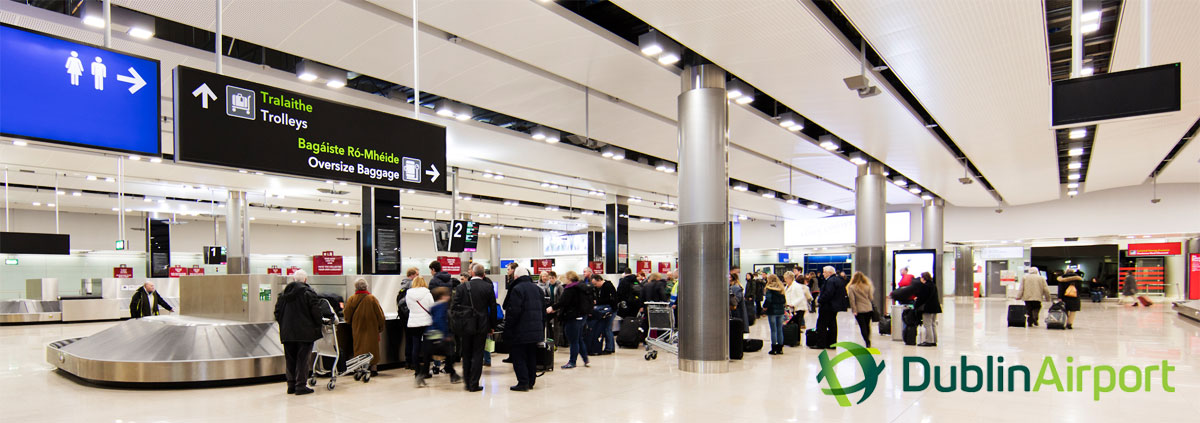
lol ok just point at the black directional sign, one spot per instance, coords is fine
(236, 123)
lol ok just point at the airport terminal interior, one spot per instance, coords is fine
(703, 210)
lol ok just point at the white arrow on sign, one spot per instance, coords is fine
(433, 172)
(205, 94)
(136, 81)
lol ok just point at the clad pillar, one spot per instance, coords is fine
(932, 237)
(616, 235)
(703, 221)
(870, 209)
(237, 231)
(964, 272)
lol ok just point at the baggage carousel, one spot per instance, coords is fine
(172, 350)
(1189, 309)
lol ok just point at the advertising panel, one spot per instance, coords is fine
(1194, 276)
(327, 264)
(1154, 249)
(643, 266)
(564, 244)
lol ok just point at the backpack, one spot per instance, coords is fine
(402, 305)
(465, 319)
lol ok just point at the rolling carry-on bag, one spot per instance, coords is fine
(1016, 316)
(1056, 317)
(736, 349)
(811, 339)
(911, 319)
(885, 325)
(545, 357)
(791, 335)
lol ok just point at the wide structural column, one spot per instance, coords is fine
(870, 210)
(932, 237)
(703, 221)
(237, 231)
(616, 235)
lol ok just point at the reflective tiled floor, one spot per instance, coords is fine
(626, 388)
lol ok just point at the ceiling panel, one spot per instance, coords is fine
(1126, 152)
(745, 37)
(994, 102)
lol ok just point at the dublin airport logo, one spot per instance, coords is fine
(870, 372)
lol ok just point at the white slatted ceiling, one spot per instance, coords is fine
(1126, 152)
(994, 102)
(780, 47)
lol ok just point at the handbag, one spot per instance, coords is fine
(1071, 292)
(788, 313)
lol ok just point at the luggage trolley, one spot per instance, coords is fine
(661, 318)
(327, 346)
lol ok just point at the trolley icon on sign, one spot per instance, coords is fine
(239, 102)
(411, 170)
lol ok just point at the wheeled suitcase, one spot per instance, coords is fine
(1016, 316)
(630, 334)
(811, 339)
(1145, 300)
(752, 345)
(736, 349)
(791, 335)
(545, 357)
(911, 319)
(885, 325)
(1056, 317)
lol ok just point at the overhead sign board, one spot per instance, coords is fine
(70, 93)
(464, 236)
(1154, 249)
(245, 125)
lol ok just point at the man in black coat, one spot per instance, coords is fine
(629, 295)
(146, 302)
(832, 300)
(298, 311)
(601, 320)
(439, 277)
(524, 327)
(477, 294)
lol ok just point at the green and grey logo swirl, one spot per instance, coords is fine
(870, 372)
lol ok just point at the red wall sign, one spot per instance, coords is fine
(177, 271)
(123, 272)
(643, 266)
(1194, 276)
(542, 265)
(596, 266)
(1154, 249)
(291, 270)
(327, 264)
(275, 270)
(664, 268)
(451, 265)
(196, 270)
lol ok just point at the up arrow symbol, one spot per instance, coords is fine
(205, 94)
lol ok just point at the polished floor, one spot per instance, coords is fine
(626, 388)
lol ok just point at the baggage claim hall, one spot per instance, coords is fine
(600, 210)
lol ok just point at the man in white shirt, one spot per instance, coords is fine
(797, 296)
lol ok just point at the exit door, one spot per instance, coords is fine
(994, 288)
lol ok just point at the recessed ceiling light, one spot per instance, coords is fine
(1072, 193)
(1073, 185)
(1077, 133)
(1074, 165)
(1075, 152)
(1073, 176)
(1089, 28)
(1087, 71)
(915, 190)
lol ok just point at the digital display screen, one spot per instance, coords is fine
(214, 255)
(464, 236)
(1135, 92)
(245, 125)
(64, 92)
(913, 262)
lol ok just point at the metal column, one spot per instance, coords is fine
(494, 256)
(616, 235)
(870, 209)
(932, 237)
(367, 242)
(964, 272)
(237, 232)
(703, 221)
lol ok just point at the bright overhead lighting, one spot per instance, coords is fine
(253, 218)
(155, 160)
(793, 200)
(668, 58)
(60, 192)
(142, 33)
(767, 194)
(746, 99)
(612, 152)
(830, 143)
(91, 177)
(110, 179)
(1077, 133)
(1087, 71)
(93, 21)
(813, 206)
(652, 49)
(545, 185)
(900, 181)
(307, 77)
(36, 203)
(1073, 185)
(741, 186)
(739, 91)
(1073, 176)
(645, 219)
(651, 43)
(1074, 165)
(76, 194)
(742, 217)
(147, 200)
(1075, 152)
(858, 158)
(1089, 28)
(335, 83)
(1091, 16)
(135, 158)
(668, 223)
(499, 176)
(830, 210)
(791, 121)
(552, 208)
(915, 190)
(1072, 193)
(926, 196)
(542, 133)
(20, 143)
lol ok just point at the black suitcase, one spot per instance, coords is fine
(545, 357)
(752, 345)
(885, 325)
(630, 334)
(556, 333)
(811, 339)
(910, 335)
(791, 335)
(1016, 316)
(911, 320)
(736, 349)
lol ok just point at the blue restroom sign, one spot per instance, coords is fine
(66, 92)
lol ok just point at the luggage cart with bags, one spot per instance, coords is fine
(327, 346)
(661, 320)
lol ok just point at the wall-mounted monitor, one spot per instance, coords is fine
(915, 262)
(214, 255)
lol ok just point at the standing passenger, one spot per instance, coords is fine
(830, 302)
(1068, 291)
(774, 303)
(1033, 291)
(523, 327)
(574, 306)
(861, 291)
(929, 304)
(419, 302)
(299, 313)
(366, 320)
(798, 298)
(477, 294)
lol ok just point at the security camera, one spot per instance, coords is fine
(998, 211)
(868, 92)
(966, 181)
(1155, 200)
